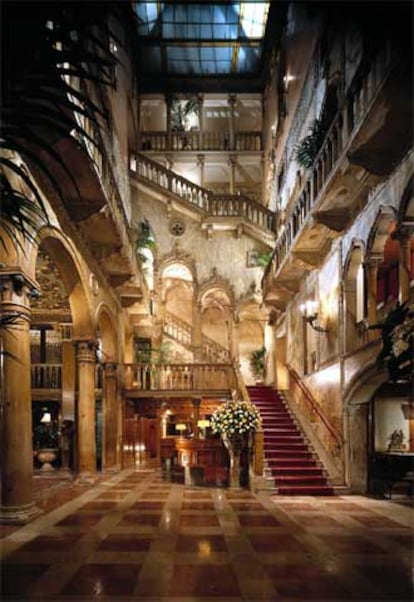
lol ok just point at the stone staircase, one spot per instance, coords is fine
(288, 456)
(233, 211)
(182, 332)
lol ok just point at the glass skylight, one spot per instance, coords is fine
(188, 38)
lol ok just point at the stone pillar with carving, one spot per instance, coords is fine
(85, 425)
(232, 100)
(372, 267)
(110, 404)
(197, 336)
(17, 504)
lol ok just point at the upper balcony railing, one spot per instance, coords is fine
(193, 140)
(179, 377)
(214, 205)
(338, 139)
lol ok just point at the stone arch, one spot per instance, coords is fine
(406, 208)
(251, 331)
(55, 245)
(107, 333)
(354, 283)
(358, 396)
(380, 231)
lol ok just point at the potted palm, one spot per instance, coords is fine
(257, 362)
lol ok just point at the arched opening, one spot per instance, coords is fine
(251, 339)
(60, 316)
(355, 296)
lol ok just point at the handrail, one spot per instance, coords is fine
(211, 349)
(204, 200)
(337, 139)
(315, 406)
(179, 377)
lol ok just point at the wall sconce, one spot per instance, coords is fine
(181, 427)
(309, 311)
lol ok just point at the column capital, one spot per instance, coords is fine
(232, 160)
(373, 260)
(86, 350)
(201, 159)
(197, 402)
(232, 100)
(14, 282)
(403, 233)
(110, 369)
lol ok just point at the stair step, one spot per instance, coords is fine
(301, 471)
(306, 490)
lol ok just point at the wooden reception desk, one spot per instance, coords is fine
(205, 460)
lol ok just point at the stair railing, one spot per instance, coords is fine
(304, 396)
(181, 331)
(211, 204)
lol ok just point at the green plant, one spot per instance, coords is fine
(257, 362)
(144, 240)
(263, 258)
(180, 111)
(307, 149)
(46, 436)
(48, 46)
(235, 418)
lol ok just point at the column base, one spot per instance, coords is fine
(112, 469)
(18, 515)
(85, 478)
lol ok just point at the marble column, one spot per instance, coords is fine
(200, 103)
(232, 179)
(110, 404)
(85, 419)
(168, 104)
(201, 163)
(232, 100)
(17, 504)
(197, 336)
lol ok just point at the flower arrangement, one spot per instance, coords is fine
(235, 418)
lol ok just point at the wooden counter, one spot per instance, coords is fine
(206, 459)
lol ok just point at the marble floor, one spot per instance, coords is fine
(134, 536)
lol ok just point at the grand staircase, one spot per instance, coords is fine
(288, 456)
(181, 332)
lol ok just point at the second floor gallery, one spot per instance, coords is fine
(203, 204)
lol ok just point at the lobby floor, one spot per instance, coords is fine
(134, 536)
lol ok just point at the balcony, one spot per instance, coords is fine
(225, 211)
(177, 379)
(194, 140)
(336, 187)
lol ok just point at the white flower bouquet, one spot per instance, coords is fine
(236, 418)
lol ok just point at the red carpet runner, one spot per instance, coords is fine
(294, 467)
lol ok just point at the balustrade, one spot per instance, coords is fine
(46, 376)
(179, 377)
(337, 139)
(211, 141)
(216, 205)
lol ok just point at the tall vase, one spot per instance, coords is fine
(234, 445)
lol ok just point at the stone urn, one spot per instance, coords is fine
(46, 456)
